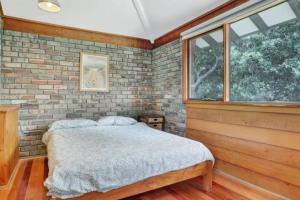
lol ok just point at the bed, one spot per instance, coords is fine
(114, 162)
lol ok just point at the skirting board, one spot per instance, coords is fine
(250, 185)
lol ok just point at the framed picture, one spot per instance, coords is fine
(94, 72)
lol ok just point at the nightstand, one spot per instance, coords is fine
(154, 121)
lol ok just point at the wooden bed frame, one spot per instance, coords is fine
(203, 169)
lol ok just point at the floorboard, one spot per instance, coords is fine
(28, 185)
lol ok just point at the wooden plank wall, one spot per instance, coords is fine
(262, 148)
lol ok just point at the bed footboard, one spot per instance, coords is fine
(203, 169)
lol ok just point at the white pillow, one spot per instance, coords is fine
(72, 123)
(116, 121)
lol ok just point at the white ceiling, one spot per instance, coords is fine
(147, 19)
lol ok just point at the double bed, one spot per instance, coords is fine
(114, 162)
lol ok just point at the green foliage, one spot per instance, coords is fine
(266, 66)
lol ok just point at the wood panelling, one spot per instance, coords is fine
(271, 184)
(285, 122)
(175, 34)
(269, 152)
(266, 136)
(272, 169)
(22, 25)
(262, 148)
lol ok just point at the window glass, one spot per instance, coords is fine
(206, 66)
(265, 55)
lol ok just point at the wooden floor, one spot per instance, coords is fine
(28, 185)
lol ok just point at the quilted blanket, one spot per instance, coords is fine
(102, 158)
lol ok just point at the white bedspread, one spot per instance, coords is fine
(103, 158)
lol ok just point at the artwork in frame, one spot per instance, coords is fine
(94, 72)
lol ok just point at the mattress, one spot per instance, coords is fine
(102, 158)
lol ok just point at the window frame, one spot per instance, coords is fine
(188, 62)
(226, 97)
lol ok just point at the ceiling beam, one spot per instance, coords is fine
(209, 40)
(143, 17)
(259, 22)
(233, 36)
(295, 5)
(30, 26)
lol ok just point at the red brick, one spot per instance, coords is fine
(36, 61)
(39, 82)
(73, 78)
(27, 97)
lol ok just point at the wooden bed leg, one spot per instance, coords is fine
(207, 178)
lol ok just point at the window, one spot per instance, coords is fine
(206, 66)
(265, 59)
(261, 62)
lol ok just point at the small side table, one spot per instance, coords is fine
(154, 121)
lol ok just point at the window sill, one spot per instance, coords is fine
(288, 108)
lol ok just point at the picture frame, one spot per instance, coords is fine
(94, 72)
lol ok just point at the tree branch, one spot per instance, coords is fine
(201, 78)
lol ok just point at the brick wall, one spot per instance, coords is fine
(41, 74)
(167, 86)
